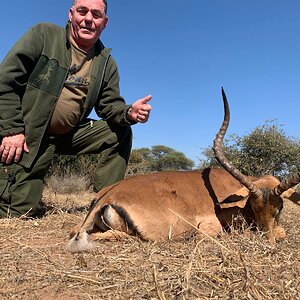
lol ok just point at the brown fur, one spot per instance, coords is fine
(176, 205)
(168, 205)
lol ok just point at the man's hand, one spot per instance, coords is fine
(140, 110)
(12, 147)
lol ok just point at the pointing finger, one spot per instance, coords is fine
(146, 99)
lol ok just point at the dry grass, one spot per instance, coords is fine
(68, 184)
(35, 265)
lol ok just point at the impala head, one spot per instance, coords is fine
(266, 202)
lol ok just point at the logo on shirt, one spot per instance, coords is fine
(47, 76)
(44, 78)
(76, 81)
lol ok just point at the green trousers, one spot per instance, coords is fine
(21, 188)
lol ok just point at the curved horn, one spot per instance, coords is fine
(218, 150)
(285, 185)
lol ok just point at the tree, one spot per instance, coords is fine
(157, 158)
(266, 150)
(139, 161)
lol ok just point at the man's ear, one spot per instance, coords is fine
(71, 12)
(105, 23)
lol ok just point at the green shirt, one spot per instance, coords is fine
(32, 76)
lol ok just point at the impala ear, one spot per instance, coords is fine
(240, 196)
(292, 195)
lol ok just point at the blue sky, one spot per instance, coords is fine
(183, 52)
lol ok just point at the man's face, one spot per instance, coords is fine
(88, 19)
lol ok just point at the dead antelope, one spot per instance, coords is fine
(175, 205)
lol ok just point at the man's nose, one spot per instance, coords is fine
(89, 17)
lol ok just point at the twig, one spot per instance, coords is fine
(159, 292)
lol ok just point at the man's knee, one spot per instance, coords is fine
(19, 192)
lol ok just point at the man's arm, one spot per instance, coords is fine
(112, 107)
(14, 72)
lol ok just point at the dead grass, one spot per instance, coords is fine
(67, 184)
(35, 265)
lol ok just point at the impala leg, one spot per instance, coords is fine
(109, 235)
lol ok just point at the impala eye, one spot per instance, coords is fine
(277, 213)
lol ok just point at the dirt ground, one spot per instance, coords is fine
(34, 262)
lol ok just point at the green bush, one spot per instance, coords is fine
(266, 150)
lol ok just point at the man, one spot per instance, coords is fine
(49, 83)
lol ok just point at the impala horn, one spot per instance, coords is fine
(219, 155)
